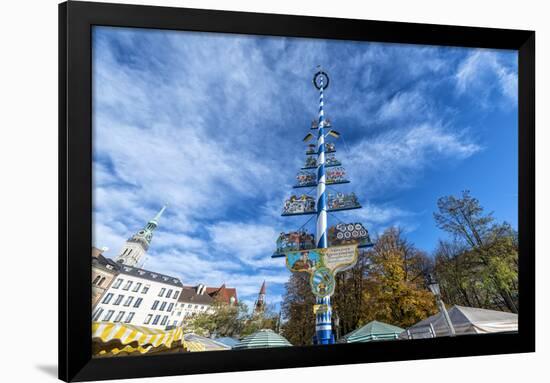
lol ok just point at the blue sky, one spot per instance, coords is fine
(211, 124)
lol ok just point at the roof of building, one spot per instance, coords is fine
(108, 263)
(222, 294)
(262, 289)
(150, 275)
(262, 339)
(189, 295)
(373, 331)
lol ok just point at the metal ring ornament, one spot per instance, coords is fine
(317, 75)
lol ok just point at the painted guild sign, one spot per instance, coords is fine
(311, 149)
(341, 201)
(322, 282)
(347, 234)
(339, 258)
(306, 260)
(315, 124)
(311, 162)
(299, 205)
(335, 175)
(331, 160)
(306, 178)
(329, 148)
(294, 241)
(322, 265)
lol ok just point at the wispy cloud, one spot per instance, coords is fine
(398, 157)
(483, 72)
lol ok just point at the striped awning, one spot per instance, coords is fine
(262, 339)
(140, 336)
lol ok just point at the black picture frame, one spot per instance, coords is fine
(75, 189)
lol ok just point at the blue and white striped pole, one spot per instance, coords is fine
(323, 327)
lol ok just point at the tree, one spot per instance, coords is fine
(479, 266)
(297, 309)
(395, 291)
(267, 319)
(226, 320)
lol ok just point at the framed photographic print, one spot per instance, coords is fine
(270, 191)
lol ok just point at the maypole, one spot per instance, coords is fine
(323, 326)
(333, 249)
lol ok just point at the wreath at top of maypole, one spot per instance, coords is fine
(317, 79)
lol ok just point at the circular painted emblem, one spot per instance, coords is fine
(322, 282)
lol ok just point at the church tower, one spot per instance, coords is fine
(259, 306)
(134, 250)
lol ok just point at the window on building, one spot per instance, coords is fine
(117, 283)
(119, 316)
(174, 323)
(101, 281)
(118, 299)
(148, 319)
(128, 301)
(189, 305)
(145, 289)
(162, 306)
(130, 317)
(156, 320)
(162, 292)
(128, 285)
(138, 302)
(196, 307)
(155, 305)
(97, 314)
(170, 307)
(164, 320)
(178, 313)
(130, 252)
(169, 293)
(107, 298)
(108, 316)
(96, 280)
(176, 294)
(137, 287)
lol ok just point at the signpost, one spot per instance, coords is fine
(336, 248)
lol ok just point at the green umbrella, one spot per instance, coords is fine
(373, 331)
(262, 339)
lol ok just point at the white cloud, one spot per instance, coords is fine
(482, 72)
(397, 157)
(251, 243)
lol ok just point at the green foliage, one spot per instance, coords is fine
(479, 267)
(226, 320)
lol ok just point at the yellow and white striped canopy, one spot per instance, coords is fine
(143, 336)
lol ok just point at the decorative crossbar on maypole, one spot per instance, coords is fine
(333, 249)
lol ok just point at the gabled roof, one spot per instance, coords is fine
(222, 294)
(189, 295)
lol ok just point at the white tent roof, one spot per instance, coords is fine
(466, 320)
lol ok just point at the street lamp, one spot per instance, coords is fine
(434, 288)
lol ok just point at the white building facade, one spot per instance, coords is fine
(139, 297)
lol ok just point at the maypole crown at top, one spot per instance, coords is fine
(321, 75)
